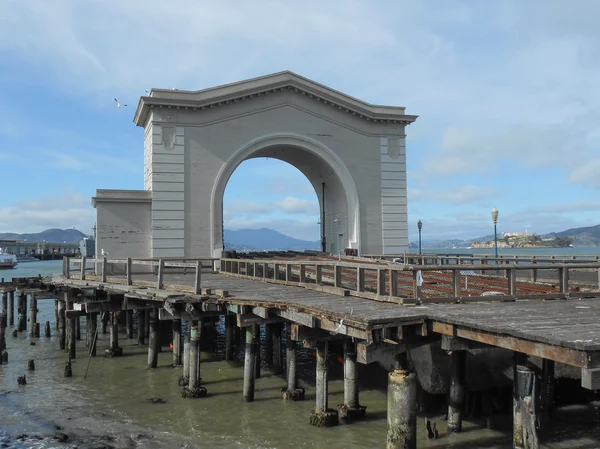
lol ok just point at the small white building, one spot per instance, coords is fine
(352, 152)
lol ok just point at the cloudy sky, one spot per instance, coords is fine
(507, 95)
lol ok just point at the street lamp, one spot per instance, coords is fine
(495, 218)
(420, 226)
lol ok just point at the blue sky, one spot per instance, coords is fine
(506, 92)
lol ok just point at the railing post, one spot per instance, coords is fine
(338, 276)
(381, 282)
(161, 270)
(275, 271)
(129, 280)
(563, 272)
(83, 262)
(197, 283)
(319, 275)
(104, 268)
(288, 272)
(360, 279)
(512, 281)
(65, 271)
(393, 282)
(417, 287)
(302, 272)
(456, 283)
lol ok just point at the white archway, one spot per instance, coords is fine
(330, 162)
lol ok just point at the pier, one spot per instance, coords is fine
(377, 310)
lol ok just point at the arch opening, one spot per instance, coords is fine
(338, 211)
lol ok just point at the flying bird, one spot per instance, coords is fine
(119, 104)
(104, 253)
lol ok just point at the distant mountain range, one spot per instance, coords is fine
(264, 239)
(586, 236)
(49, 235)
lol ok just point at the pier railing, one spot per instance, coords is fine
(378, 280)
(458, 259)
(410, 284)
(102, 268)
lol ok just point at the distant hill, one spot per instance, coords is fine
(265, 239)
(49, 235)
(587, 236)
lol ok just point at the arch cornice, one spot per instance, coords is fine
(299, 141)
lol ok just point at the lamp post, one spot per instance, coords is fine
(420, 226)
(495, 218)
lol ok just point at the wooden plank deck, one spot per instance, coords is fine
(570, 324)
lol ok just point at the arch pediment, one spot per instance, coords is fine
(254, 88)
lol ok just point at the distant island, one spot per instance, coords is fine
(526, 241)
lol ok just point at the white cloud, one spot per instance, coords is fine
(293, 205)
(587, 174)
(61, 211)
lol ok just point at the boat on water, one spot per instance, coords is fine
(7, 260)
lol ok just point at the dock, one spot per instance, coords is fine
(379, 310)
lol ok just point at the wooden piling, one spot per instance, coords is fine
(72, 341)
(47, 333)
(4, 310)
(141, 326)
(269, 343)
(292, 392)
(257, 358)
(547, 393)
(153, 342)
(147, 324)
(32, 315)
(22, 322)
(93, 333)
(526, 387)
(185, 375)
(277, 367)
(322, 415)
(62, 334)
(402, 407)
(249, 361)
(176, 342)
(229, 335)
(129, 323)
(458, 366)
(114, 349)
(104, 322)
(351, 410)
(78, 328)
(36, 331)
(2, 333)
(11, 308)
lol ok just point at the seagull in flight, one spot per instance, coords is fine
(104, 253)
(119, 104)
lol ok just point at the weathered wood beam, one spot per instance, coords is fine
(251, 319)
(304, 319)
(377, 352)
(460, 344)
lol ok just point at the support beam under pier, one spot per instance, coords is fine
(322, 415)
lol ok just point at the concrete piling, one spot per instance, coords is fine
(77, 328)
(351, 410)
(153, 342)
(458, 367)
(141, 327)
(176, 342)
(277, 363)
(36, 332)
(526, 386)
(11, 308)
(322, 415)
(47, 332)
(193, 389)
(402, 407)
(4, 309)
(104, 320)
(185, 375)
(114, 349)
(249, 362)
(62, 334)
(292, 392)
(229, 335)
(2, 334)
(269, 343)
(257, 358)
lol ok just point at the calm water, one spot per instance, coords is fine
(109, 408)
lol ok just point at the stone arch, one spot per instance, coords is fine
(329, 162)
